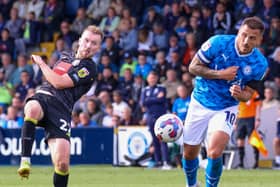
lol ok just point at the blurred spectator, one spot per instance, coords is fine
(30, 93)
(125, 86)
(21, 5)
(36, 6)
(95, 113)
(127, 118)
(105, 99)
(81, 21)
(2, 22)
(38, 75)
(129, 63)
(273, 39)
(12, 120)
(112, 50)
(161, 65)
(105, 62)
(85, 121)
(198, 31)
(160, 37)
(151, 18)
(181, 103)
(97, 9)
(18, 104)
(171, 83)
(187, 81)
(247, 9)
(207, 20)
(51, 16)
(67, 35)
(60, 47)
(24, 84)
(7, 43)
(6, 91)
(5, 7)
(181, 30)
(145, 40)
(7, 65)
(221, 20)
(21, 65)
(175, 63)
(75, 119)
(128, 36)
(110, 22)
(31, 34)
(14, 24)
(142, 68)
(172, 17)
(118, 104)
(173, 46)
(107, 82)
(136, 8)
(118, 5)
(269, 99)
(108, 118)
(126, 14)
(273, 76)
(267, 11)
(190, 50)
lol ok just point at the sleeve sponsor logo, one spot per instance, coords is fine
(82, 73)
(206, 46)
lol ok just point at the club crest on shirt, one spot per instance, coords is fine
(247, 70)
(82, 73)
(206, 46)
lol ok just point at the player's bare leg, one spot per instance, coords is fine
(216, 145)
(33, 112)
(60, 153)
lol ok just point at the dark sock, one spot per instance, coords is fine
(60, 180)
(27, 137)
(256, 153)
(241, 155)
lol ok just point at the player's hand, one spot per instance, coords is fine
(160, 94)
(37, 59)
(228, 73)
(235, 91)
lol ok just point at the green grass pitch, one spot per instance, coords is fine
(108, 176)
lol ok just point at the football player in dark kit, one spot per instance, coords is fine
(52, 104)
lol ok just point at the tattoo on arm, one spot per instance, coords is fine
(200, 69)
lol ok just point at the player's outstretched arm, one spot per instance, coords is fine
(200, 69)
(57, 81)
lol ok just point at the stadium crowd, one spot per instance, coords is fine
(140, 36)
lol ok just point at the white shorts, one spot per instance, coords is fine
(201, 121)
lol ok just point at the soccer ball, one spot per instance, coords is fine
(168, 128)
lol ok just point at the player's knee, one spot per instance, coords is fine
(214, 153)
(33, 110)
(276, 141)
(62, 166)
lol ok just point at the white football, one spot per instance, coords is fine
(168, 128)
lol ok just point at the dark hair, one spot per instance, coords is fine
(254, 23)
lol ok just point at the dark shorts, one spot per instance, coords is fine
(278, 129)
(56, 120)
(245, 127)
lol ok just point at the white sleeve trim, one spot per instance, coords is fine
(202, 57)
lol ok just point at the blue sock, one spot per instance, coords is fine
(213, 171)
(190, 168)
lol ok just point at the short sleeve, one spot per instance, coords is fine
(209, 49)
(83, 73)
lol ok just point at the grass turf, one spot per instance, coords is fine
(107, 176)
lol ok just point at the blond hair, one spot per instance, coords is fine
(95, 30)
